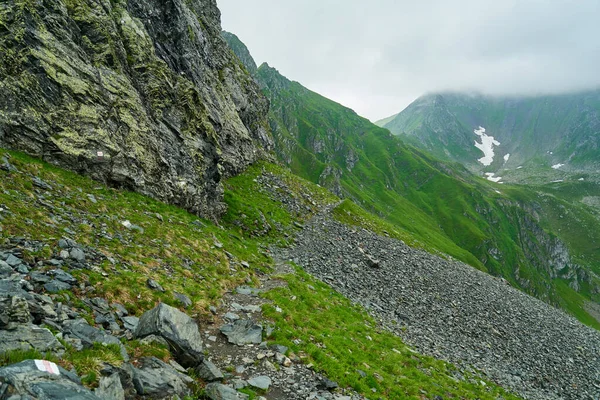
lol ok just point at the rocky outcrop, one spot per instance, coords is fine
(143, 95)
(241, 51)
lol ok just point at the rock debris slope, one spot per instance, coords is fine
(450, 310)
(144, 95)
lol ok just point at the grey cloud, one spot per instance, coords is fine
(377, 56)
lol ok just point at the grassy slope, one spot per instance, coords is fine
(439, 206)
(201, 269)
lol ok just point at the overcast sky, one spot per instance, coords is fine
(377, 56)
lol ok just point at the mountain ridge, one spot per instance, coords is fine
(560, 132)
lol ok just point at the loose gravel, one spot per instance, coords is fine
(452, 311)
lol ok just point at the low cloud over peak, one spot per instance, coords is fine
(377, 57)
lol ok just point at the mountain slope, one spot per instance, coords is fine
(429, 203)
(535, 133)
(197, 265)
(143, 95)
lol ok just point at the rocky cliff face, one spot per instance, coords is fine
(143, 95)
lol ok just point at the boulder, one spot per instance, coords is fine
(155, 379)
(41, 380)
(178, 329)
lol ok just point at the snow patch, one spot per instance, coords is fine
(490, 177)
(557, 166)
(519, 167)
(486, 146)
(558, 181)
(499, 192)
(506, 157)
(581, 179)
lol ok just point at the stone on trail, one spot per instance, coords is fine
(209, 371)
(243, 331)
(218, 391)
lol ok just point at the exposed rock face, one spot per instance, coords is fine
(241, 51)
(143, 95)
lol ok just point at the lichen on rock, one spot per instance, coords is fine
(142, 95)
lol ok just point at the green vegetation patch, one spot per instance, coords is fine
(341, 340)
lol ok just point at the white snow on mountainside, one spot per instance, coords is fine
(490, 176)
(486, 146)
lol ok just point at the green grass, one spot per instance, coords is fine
(86, 362)
(16, 356)
(340, 339)
(199, 268)
(176, 252)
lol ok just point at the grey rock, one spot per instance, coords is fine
(231, 316)
(5, 270)
(29, 337)
(22, 269)
(7, 166)
(77, 254)
(38, 277)
(178, 329)
(209, 371)
(99, 303)
(327, 384)
(242, 332)
(262, 382)
(372, 261)
(13, 261)
(110, 388)
(155, 379)
(130, 323)
(14, 310)
(31, 383)
(183, 299)
(120, 309)
(55, 286)
(247, 308)
(279, 348)
(152, 284)
(41, 184)
(63, 276)
(218, 391)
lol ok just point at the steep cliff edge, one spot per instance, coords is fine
(143, 95)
